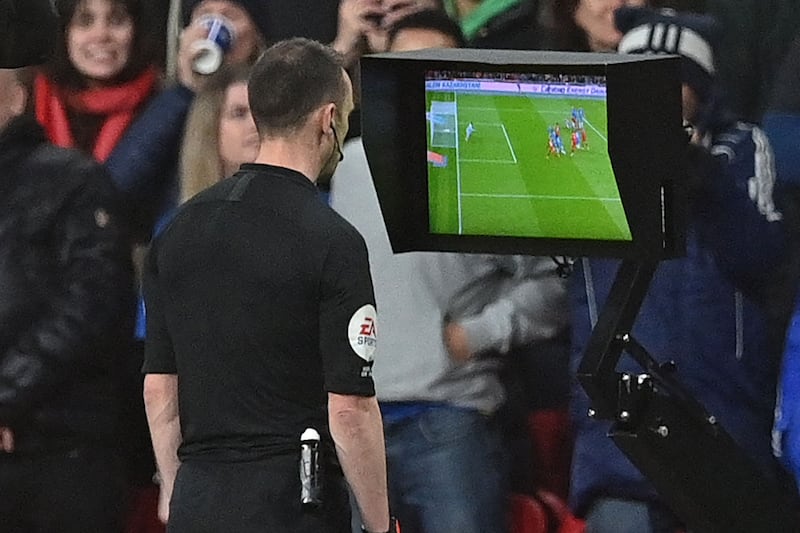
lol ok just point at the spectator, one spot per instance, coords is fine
(220, 136)
(363, 26)
(66, 287)
(248, 18)
(588, 25)
(220, 132)
(756, 37)
(499, 24)
(782, 122)
(735, 240)
(313, 19)
(101, 75)
(145, 164)
(433, 28)
(437, 382)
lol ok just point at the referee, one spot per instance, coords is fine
(261, 325)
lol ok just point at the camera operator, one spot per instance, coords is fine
(260, 307)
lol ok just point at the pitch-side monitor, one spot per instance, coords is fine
(527, 152)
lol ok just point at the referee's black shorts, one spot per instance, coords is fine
(254, 497)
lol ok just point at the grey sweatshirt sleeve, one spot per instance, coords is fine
(531, 306)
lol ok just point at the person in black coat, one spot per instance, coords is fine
(66, 307)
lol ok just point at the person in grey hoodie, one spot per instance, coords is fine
(445, 317)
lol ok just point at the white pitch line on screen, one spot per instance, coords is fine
(458, 168)
(498, 161)
(510, 146)
(597, 131)
(464, 108)
(539, 197)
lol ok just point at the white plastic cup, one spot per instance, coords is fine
(211, 50)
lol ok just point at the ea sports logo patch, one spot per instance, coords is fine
(361, 332)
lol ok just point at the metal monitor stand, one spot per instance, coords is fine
(694, 464)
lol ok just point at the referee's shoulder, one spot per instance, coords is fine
(335, 227)
(192, 210)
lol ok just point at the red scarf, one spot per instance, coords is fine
(117, 104)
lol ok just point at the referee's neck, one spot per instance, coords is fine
(293, 154)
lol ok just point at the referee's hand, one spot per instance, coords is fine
(164, 496)
(6, 439)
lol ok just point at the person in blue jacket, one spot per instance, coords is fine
(144, 164)
(702, 311)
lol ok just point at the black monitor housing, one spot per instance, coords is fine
(642, 96)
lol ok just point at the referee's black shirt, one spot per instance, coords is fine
(259, 297)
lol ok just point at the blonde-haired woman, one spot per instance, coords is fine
(220, 132)
(220, 135)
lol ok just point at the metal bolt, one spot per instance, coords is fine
(626, 377)
(624, 415)
(642, 378)
(712, 420)
(662, 431)
(592, 413)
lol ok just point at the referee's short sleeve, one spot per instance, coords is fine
(347, 321)
(159, 357)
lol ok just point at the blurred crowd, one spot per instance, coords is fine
(478, 354)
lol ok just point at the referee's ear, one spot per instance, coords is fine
(328, 116)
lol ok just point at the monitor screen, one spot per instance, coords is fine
(527, 152)
(510, 153)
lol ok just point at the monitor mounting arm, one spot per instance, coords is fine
(692, 461)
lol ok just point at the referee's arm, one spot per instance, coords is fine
(357, 430)
(161, 406)
(160, 386)
(347, 343)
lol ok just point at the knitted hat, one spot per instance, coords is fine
(257, 9)
(689, 35)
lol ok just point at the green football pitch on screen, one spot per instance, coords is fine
(504, 178)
